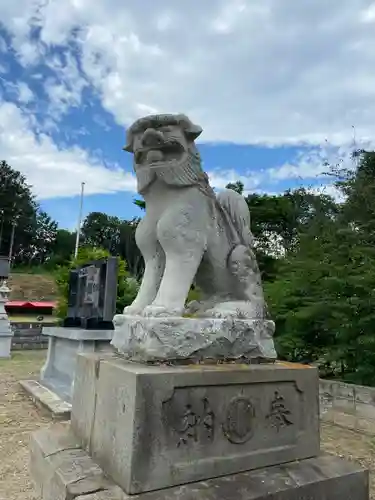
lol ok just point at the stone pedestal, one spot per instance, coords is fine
(63, 471)
(6, 333)
(248, 432)
(64, 344)
(194, 339)
(55, 389)
(153, 427)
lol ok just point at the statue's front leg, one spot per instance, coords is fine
(154, 258)
(182, 235)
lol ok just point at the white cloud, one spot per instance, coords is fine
(315, 163)
(54, 172)
(20, 91)
(329, 190)
(221, 178)
(249, 71)
(25, 94)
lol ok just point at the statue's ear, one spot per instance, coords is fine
(129, 142)
(193, 132)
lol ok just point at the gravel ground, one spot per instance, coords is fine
(19, 417)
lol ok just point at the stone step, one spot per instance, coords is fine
(63, 471)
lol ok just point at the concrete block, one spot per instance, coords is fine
(48, 447)
(47, 399)
(84, 397)
(60, 469)
(64, 345)
(365, 395)
(64, 472)
(114, 493)
(323, 478)
(344, 405)
(158, 426)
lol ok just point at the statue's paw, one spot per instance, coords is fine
(155, 311)
(133, 310)
(118, 320)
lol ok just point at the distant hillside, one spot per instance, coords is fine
(32, 287)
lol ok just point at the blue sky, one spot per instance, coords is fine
(276, 86)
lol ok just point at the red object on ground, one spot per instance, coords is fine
(26, 304)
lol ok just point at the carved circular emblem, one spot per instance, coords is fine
(238, 424)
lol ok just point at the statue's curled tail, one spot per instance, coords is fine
(237, 215)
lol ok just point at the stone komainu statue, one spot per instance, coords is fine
(189, 234)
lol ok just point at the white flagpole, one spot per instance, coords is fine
(79, 220)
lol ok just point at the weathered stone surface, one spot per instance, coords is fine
(156, 339)
(114, 493)
(190, 233)
(84, 396)
(63, 347)
(47, 399)
(157, 426)
(322, 478)
(47, 448)
(60, 469)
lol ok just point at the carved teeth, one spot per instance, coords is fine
(154, 155)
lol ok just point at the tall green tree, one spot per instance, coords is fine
(102, 231)
(62, 248)
(322, 299)
(117, 236)
(29, 231)
(128, 248)
(237, 186)
(17, 209)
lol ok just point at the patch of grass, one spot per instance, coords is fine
(32, 287)
(23, 358)
(31, 270)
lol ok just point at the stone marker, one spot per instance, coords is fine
(4, 267)
(6, 332)
(192, 404)
(88, 327)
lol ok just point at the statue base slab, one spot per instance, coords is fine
(153, 339)
(60, 469)
(154, 427)
(64, 344)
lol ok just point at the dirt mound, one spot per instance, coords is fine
(32, 287)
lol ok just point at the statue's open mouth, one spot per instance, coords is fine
(163, 153)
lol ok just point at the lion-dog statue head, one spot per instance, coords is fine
(163, 147)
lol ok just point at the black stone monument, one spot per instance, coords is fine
(92, 295)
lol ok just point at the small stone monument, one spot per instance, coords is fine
(88, 327)
(193, 404)
(6, 333)
(4, 267)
